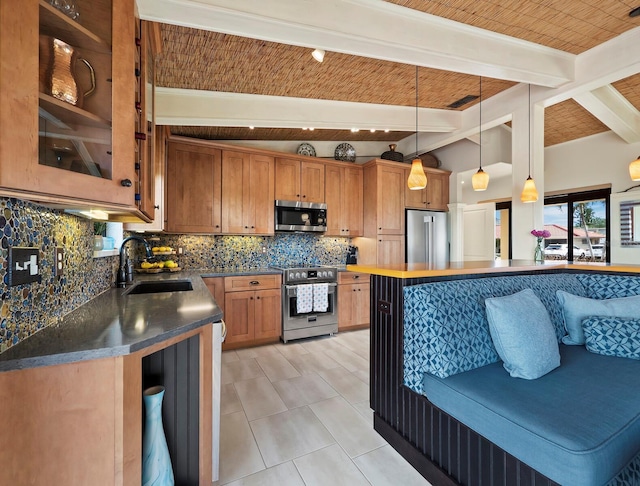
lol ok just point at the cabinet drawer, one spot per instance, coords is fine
(353, 277)
(252, 282)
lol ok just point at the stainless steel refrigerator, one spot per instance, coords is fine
(427, 240)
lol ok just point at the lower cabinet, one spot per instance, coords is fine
(252, 310)
(353, 300)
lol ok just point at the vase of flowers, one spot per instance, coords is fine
(538, 254)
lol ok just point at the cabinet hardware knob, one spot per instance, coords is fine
(141, 136)
(354, 290)
(253, 227)
(380, 229)
(217, 226)
(157, 206)
(258, 297)
(126, 183)
(304, 195)
(254, 282)
(138, 41)
(246, 227)
(356, 276)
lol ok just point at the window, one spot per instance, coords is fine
(579, 226)
(503, 230)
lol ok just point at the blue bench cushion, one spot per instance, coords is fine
(579, 424)
(445, 323)
(602, 286)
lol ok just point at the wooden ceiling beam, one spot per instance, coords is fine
(378, 30)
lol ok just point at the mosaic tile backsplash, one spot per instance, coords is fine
(30, 307)
(245, 252)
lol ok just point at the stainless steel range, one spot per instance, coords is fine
(309, 301)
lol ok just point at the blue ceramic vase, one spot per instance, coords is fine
(156, 463)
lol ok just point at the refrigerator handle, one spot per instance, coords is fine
(429, 224)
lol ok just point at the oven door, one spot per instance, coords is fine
(291, 319)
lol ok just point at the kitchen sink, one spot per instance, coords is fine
(160, 286)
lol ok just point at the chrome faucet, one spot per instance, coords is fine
(125, 271)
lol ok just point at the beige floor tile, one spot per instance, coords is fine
(320, 344)
(313, 362)
(276, 367)
(229, 356)
(350, 429)
(385, 467)
(259, 398)
(282, 475)
(244, 369)
(356, 341)
(290, 349)
(347, 358)
(290, 434)
(346, 384)
(362, 375)
(329, 466)
(229, 401)
(239, 453)
(303, 390)
(257, 351)
(365, 410)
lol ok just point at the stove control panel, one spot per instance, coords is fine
(310, 275)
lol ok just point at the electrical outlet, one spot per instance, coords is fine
(264, 249)
(180, 250)
(23, 265)
(58, 260)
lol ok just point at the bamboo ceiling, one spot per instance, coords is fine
(197, 59)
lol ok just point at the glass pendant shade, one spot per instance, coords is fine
(417, 178)
(480, 180)
(318, 55)
(529, 191)
(634, 170)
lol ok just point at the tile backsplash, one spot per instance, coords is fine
(30, 307)
(208, 251)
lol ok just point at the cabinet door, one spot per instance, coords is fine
(352, 203)
(268, 313)
(390, 249)
(362, 304)
(437, 191)
(346, 306)
(334, 198)
(390, 203)
(235, 179)
(193, 189)
(239, 315)
(312, 182)
(260, 217)
(216, 288)
(415, 199)
(287, 179)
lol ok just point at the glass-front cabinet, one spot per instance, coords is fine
(68, 104)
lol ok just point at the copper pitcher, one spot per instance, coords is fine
(57, 71)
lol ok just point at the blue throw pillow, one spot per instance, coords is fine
(523, 334)
(612, 336)
(575, 309)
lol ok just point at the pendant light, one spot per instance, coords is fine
(480, 180)
(529, 191)
(417, 178)
(634, 169)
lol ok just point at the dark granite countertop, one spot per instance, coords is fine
(115, 324)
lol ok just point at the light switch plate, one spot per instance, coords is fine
(24, 265)
(58, 267)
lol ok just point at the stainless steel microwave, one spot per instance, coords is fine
(301, 216)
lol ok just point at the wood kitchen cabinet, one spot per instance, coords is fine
(354, 300)
(247, 193)
(78, 155)
(216, 288)
(383, 198)
(298, 180)
(193, 188)
(344, 197)
(434, 197)
(252, 310)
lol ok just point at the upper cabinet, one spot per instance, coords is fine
(247, 193)
(434, 197)
(67, 107)
(344, 201)
(384, 184)
(298, 180)
(193, 188)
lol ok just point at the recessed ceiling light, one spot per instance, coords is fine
(373, 130)
(635, 12)
(318, 55)
(311, 129)
(304, 128)
(386, 130)
(354, 130)
(250, 127)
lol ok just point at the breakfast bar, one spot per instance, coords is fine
(443, 449)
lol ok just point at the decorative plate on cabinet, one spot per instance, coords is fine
(345, 152)
(306, 149)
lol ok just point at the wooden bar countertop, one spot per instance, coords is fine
(419, 270)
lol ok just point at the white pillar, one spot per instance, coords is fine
(456, 232)
(527, 216)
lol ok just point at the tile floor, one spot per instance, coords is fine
(298, 414)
